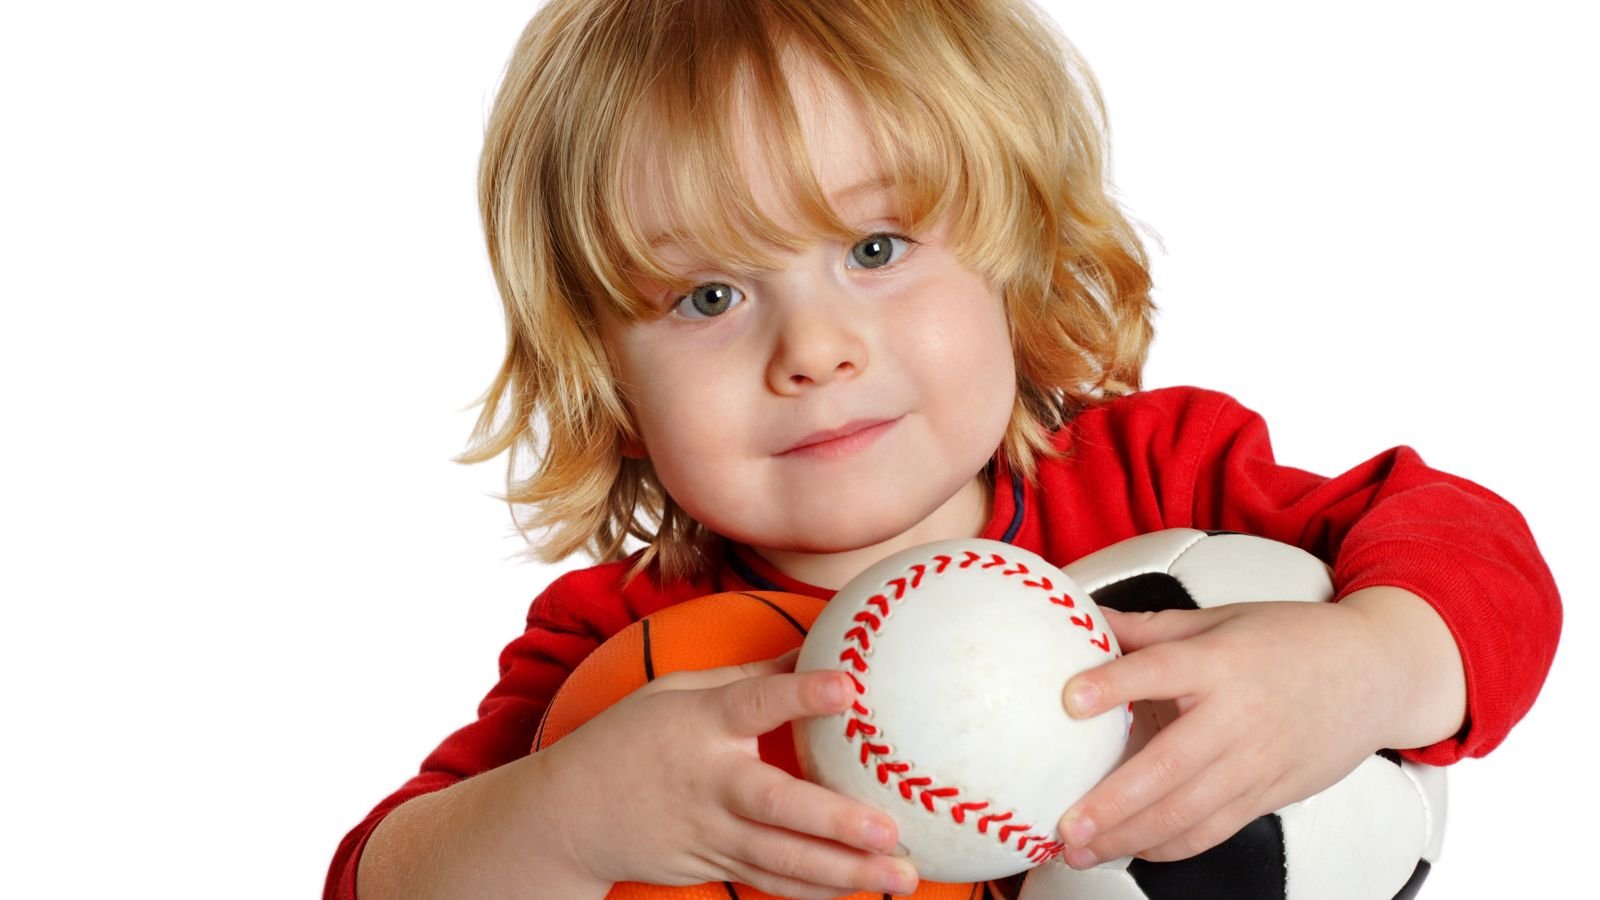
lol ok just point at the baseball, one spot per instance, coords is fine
(959, 651)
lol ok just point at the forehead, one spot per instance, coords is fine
(837, 150)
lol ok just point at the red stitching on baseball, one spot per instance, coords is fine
(856, 726)
(921, 789)
(1006, 830)
(906, 784)
(959, 811)
(884, 769)
(941, 793)
(1046, 851)
(983, 823)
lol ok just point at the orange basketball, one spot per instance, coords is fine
(705, 633)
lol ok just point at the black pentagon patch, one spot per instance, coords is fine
(1248, 866)
(1150, 592)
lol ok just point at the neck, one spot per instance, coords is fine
(964, 515)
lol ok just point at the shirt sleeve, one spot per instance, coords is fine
(532, 667)
(1394, 521)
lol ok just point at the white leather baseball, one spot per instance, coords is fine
(959, 651)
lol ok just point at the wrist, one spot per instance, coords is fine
(1423, 680)
(492, 835)
(565, 870)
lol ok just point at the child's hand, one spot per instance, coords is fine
(1276, 701)
(666, 787)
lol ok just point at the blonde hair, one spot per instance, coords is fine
(981, 111)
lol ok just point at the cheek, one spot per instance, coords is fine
(966, 353)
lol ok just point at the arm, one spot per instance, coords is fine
(666, 786)
(1395, 522)
(1436, 577)
(531, 668)
(473, 840)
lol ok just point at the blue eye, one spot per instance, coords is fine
(878, 250)
(709, 300)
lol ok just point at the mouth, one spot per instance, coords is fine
(848, 438)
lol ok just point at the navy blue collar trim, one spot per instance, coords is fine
(743, 570)
(1016, 509)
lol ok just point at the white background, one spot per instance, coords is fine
(246, 313)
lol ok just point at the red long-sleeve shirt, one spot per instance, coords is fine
(1177, 457)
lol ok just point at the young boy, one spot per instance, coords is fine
(794, 285)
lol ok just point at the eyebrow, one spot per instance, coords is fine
(850, 194)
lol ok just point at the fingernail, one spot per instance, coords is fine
(1078, 831)
(879, 836)
(1082, 699)
(902, 881)
(1081, 858)
(833, 691)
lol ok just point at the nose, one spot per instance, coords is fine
(819, 341)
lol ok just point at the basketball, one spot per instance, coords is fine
(708, 632)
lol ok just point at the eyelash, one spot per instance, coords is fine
(677, 303)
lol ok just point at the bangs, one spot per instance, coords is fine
(720, 79)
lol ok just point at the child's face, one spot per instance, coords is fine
(848, 399)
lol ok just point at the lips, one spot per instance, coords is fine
(842, 439)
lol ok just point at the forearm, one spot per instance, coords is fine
(477, 839)
(1426, 697)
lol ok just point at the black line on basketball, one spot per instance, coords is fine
(649, 662)
(777, 609)
(732, 891)
(538, 736)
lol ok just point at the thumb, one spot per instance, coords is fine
(754, 706)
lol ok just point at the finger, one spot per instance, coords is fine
(1224, 824)
(768, 795)
(1171, 759)
(770, 855)
(1163, 671)
(700, 679)
(1189, 813)
(1136, 630)
(755, 706)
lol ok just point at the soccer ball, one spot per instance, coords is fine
(1372, 836)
